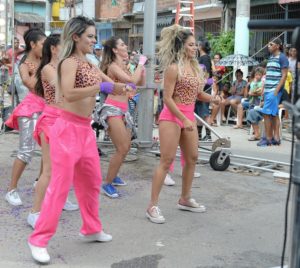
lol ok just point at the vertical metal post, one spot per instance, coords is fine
(6, 23)
(286, 16)
(145, 106)
(241, 30)
(12, 30)
(48, 18)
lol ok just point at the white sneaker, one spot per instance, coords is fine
(192, 206)
(13, 198)
(32, 218)
(39, 254)
(98, 237)
(69, 206)
(197, 175)
(154, 214)
(168, 180)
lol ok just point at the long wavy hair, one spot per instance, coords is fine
(74, 26)
(51, 41)
(108, 55)
(171, 50)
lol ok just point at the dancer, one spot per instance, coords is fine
(72, 141)
(183, 83)
(25, 115)
(45, 88)
(114, 114)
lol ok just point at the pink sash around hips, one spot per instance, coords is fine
(30, 105)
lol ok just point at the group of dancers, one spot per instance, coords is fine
(57, 110)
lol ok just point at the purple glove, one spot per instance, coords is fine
(209, 81)
(131, 85)
(106, 87)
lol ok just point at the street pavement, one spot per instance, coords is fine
(243, 226)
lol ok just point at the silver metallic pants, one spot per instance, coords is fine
(26, 140)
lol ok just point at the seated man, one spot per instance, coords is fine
(238, 91)
(254, 96)
(255, 115)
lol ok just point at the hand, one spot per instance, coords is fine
(188, 124)
(142, 60)
(119, 89)
(275, 93)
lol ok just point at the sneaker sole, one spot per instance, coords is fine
(201, 209)
(92, 239)
(38, 261)
(169, 184)
(13, 204)
(154, 220)
(119, 184)
(111, 196)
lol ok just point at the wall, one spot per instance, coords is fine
(31, 8)
(105, 11)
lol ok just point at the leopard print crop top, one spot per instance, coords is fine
(49, 90)
(87, 74)
(187, 88)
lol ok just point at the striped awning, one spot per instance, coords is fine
(23, 17)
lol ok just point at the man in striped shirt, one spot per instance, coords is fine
(276, 74)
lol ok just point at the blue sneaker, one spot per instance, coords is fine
(276, 142)
(110, 190)
(117, 181)
(264, 142)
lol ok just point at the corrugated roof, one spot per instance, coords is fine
(24, 17)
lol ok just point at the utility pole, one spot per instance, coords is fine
(145, 106)
(241, 44)
(48, 18)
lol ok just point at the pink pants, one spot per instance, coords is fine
(45, 122)
(74, 159)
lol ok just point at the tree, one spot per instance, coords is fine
(223, 43)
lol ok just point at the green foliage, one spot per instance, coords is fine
(223, 43)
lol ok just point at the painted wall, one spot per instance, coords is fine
(39, 9)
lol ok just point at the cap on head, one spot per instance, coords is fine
(97, 46)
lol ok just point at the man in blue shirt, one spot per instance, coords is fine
(276, 74)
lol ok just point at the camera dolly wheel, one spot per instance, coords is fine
(220, 160)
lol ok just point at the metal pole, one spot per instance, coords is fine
(241, 30)
(48, 18)
(12, 29)
(286, 16)
(145, 106)
(6, 23)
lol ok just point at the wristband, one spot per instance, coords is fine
(209, 81)
(106, 87)
(130, 87)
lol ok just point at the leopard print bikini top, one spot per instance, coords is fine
(49, 90)
(87, 74)
(186, 88)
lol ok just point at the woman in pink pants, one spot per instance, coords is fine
(73, 150)
(45, 88)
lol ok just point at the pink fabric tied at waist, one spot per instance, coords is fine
(30, 105)
(186, 109)
(45, 122)
(122, 105)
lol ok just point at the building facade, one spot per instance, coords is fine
(125, 18)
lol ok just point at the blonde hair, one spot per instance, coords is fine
(76, 25)
(171, 50)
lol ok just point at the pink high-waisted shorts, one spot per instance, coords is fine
(186, 109)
